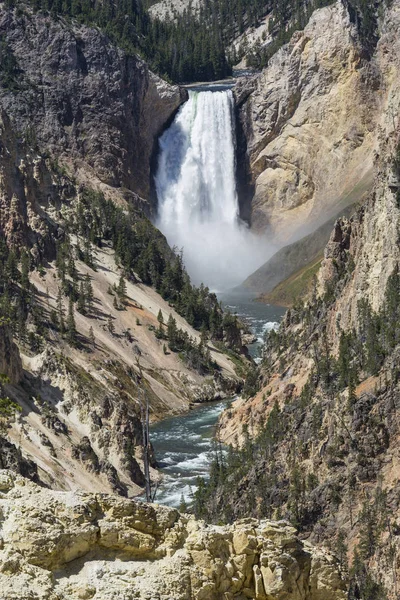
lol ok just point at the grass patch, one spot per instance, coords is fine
(295, 287)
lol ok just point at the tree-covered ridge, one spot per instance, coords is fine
(186, 50)
(193, 46)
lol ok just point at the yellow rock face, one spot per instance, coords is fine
(77, 546)
(313, 120)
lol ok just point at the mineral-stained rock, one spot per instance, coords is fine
(74, 545)
(310, 121)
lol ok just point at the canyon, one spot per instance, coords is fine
(313, 438)
(86, 116)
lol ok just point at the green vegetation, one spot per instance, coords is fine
(187, 49)
(193, 46)
(196, 356)
(294, 288)
(8, 408)
(16, 300)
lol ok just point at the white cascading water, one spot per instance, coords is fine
(198, 207)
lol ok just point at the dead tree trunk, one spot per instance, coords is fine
(145, 416)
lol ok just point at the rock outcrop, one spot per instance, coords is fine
(76, 545)
(310, 122)
(82, 101)
(169, 9)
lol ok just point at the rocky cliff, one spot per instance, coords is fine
(76, 98)
(77, 545)
(310, 122)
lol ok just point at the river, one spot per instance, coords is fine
(260, 317)
(183, 444)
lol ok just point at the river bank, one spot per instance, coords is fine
(183, 444)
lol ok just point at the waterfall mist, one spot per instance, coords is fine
(198, 206)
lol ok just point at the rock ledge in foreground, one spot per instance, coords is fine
(75, 545)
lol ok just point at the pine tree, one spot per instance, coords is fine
(71, 327)
(172, 332)
(89, 293)
(341, 549)
(204, 335)
(12, 266)
(60, 263)
(87, 253)
(72, 272)
(81, 305)
(110, 325)
(60, 311)
(121, 289)
(92, 339)
(183, 507)
(25, 268)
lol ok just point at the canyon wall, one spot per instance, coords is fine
(79, 116)
(324, 422)
(75, 96)
(310, 122)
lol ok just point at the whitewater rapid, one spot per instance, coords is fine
(198, 208)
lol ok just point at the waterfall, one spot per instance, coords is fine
(198, 208)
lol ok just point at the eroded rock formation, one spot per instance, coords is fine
(311, 121)
(79, 546)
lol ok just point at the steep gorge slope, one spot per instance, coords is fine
(79, 120)
(310, 123)
(320, 437)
